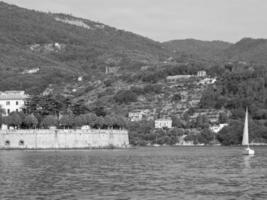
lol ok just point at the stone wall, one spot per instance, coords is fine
(63, 139)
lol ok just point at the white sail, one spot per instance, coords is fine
(245, 140)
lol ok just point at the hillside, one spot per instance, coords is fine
(64, 47)
(249, 50)
(210, 50)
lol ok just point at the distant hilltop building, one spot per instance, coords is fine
(12, 101)
(163, 123)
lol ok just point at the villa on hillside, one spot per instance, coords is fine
(201, 73)
(217, 128)
(174, 79)
(207, 81)
(138, 115)
(212, 114)
(12, 101)
(163, 123)
(112, 70)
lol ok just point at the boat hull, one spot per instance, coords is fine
(248, 151)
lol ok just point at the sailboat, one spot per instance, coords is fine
(245, 141)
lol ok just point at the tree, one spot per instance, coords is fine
(91, 119)
(67, 121)
(232, 134)
(31, 121)
(99, 110)
(108, 121)
(206, 136)
(118, 122)
(79, 108)
(125, 96)
(176, 98)
(80, 120)
(177, 122)
(223, 118)
(48, 105)
(2, 112)
(49, 120)
(13, 120)
(99, 122)
(202, 121)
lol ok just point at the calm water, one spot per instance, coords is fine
(143, 173)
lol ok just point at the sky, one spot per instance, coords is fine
(163, 20)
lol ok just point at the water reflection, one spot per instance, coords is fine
(247, 161)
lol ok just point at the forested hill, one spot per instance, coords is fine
(40, 50)
(210, 50)
(249, 50)
(64, 47)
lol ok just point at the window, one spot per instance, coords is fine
(7, 142)
(21, 143)
(8, 111)
(17, 103)
(8, 103)
(17, 110)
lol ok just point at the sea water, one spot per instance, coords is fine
(142, 173)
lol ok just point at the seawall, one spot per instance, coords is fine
(63, 139)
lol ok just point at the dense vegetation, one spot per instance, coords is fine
(144, 133)
(64, 52)
(83, 51)
(47, 111)
(235, 91)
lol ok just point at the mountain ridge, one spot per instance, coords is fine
(65, 47)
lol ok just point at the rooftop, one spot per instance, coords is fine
(13, 95)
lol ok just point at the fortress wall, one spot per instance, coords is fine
(61, 139)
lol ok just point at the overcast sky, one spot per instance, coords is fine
(163, 20)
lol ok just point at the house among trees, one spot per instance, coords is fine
(31, 71)
(12, 101)
(112, 70)
(207, 81)
(211, 114)
(216, 128)
(138, 115)
(163, 123)
(201, 73)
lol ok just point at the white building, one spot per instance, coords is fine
(174, 79)
(12, 101)
(163, 123)
(217, 128)
(207, 81)
(31, 71)
(138, 115)
(201, 73)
